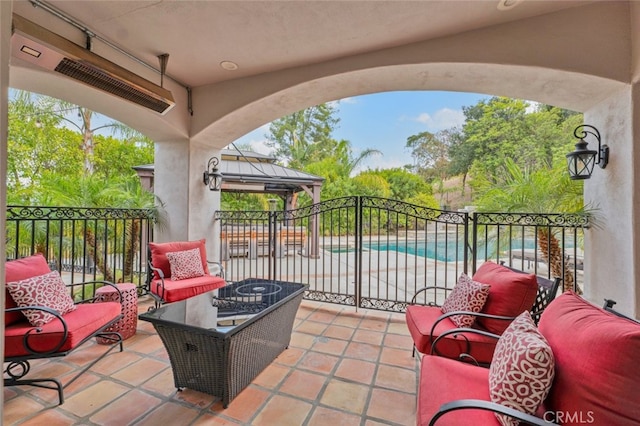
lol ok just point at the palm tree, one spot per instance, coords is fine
(541, 191)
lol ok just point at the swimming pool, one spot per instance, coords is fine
(440, 250)
(446, 251)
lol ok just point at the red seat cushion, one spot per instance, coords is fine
(511, 294)
(444, 380)
(183, 289)
(18, 270)
(81, 323)
(596, 355)
(159, 254)
(420, 319)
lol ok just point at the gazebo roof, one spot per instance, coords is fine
(247, 171)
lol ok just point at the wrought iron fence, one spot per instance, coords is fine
(84, 244)
(375, 253)
(361, 251)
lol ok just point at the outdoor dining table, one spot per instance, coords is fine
(218, 343)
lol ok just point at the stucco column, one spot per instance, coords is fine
(5, 37)
(611, 247)
(187, 202)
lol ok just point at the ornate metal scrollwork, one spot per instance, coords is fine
(533, 219)
(79, 213)
(383, 305)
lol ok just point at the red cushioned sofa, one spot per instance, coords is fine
(164, 288)
(24, 342)
(596, 370)
(511, 292)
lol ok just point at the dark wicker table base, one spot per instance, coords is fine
(224, 367)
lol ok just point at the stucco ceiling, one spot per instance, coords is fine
(264, 36)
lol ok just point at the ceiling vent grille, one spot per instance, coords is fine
(48, 50)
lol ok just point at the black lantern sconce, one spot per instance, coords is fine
(582, 161)
(212, 175)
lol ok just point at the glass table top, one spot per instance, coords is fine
(225, 310)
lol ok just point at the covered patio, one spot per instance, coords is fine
(207, 94)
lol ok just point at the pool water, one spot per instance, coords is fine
(446, 251)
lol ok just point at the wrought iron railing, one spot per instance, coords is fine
(84, 244)
(361, 251)
(375, 252)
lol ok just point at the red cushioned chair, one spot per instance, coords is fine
(511, 293)
(24, 342)
(164, 289)
(596, 374)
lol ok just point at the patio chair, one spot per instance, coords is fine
(179, 270)
(42, 320)
(468, 332)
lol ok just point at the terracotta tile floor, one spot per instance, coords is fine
(342, 368)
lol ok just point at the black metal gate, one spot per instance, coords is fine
(375, 253)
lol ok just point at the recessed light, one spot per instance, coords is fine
(29, 51)
(229, 65)
(508, 4)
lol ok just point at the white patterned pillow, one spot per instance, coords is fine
(185, 264)
(467, 295)
(522, 368)
(46, 290)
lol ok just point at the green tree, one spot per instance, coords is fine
(36, 148)
(116, 157)
(501, 128)
(545, 190)
(405, 185)
(430, 154)
(304, 136)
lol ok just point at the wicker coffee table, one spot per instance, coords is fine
(218, 344)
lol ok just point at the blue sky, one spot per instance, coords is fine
(384, 121)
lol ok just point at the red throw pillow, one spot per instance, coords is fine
(185, 264)
(467, 295)
(511, 294)
(159, 254)
(19, 269)
(522, 368)
(597, 355)
(46, 290)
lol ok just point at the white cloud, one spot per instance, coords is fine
(381, 162)
(260, 147)
(444, 118)
(349, 100)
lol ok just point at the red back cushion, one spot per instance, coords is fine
(159, 254)
(511, 294)
(18, 270)
(596, 355)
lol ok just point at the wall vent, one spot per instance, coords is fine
(48, 50)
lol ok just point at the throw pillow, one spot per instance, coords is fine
(46, 290)
(467, 295)
(511, 293)
(185, 264)
(522, 368)
(20, 269)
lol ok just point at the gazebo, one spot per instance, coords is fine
(252, 172)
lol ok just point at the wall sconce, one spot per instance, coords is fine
(212, 175)
(582, 160)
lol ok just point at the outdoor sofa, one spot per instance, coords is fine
(579, 366)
